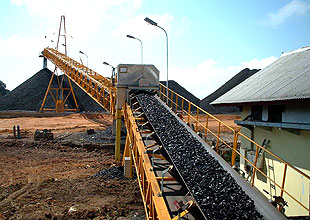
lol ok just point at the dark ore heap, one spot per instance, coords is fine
(214, 189)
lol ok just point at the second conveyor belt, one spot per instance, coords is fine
(219, 191)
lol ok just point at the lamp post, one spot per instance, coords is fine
(113, 72)
(85, 55)
(155, 24)
(132, 37)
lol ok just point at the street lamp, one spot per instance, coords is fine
(113, 72)
(85, 55)
(132, 37)
(155, 24)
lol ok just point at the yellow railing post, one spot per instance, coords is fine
(234, 154)
(171, 100)
(176, 102)
(188, 112)
(197, 118)
(255, 162)
(206, 128)
(218, 137)
(283, 180)
(167, 96)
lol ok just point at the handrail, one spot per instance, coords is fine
(154, 205)
(99, 89)
(174, 99)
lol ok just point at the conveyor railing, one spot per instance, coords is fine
(155, 206)
(194, 115)
(182, 144)
(99, 88)
(150, 169)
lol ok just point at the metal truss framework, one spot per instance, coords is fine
(59, 93)
(99, 88)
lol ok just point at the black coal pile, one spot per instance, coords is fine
(233, 82)
(99, 137)
(115, 172)
(29, 95)
(214, 189)
(176, 87)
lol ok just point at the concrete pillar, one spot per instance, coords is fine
(118, 134)
(128, 167)
(114, 127)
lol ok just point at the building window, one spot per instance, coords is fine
(275, 113)
(257, 112)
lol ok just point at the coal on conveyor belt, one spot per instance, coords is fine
(214, 189)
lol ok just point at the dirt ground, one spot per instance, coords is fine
(213, 124)
(227, 127)
(70, 123)
(81, 122)
(55, 179)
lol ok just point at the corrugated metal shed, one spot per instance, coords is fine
(287, 78)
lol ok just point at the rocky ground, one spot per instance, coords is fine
(73, 176)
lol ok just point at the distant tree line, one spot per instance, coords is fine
(3, 89)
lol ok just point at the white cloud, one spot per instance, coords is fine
(259, 64)
(83, 18)
(207, 76)
(293, 8)
(21, 55)
(17, 46)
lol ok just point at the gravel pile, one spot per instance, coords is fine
(214, 189)
(115, 172)
(99, 137)
(29, 95)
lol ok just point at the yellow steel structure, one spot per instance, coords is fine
(58, 93)
(99, 88)
(104, 93)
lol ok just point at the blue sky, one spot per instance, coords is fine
(209, 41)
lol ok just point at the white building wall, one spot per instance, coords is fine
(292, 148)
